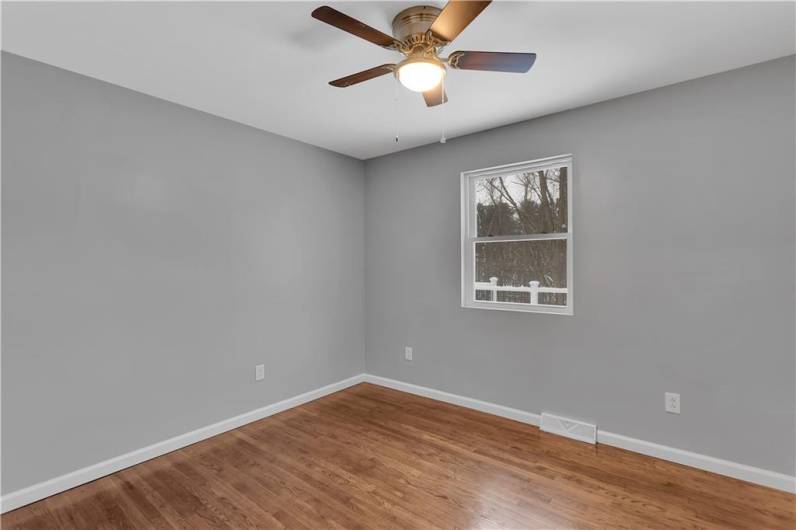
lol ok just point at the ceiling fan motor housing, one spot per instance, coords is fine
(410, 27)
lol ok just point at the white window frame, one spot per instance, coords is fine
(469, 235)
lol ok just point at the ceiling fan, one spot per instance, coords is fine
(420, 33)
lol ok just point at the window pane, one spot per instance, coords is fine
(530, 202)
(504, 272)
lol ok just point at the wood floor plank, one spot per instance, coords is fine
(372, 457)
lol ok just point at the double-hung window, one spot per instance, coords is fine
(517, 237)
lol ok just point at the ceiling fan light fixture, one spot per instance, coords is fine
(420, 74)
(420, 33)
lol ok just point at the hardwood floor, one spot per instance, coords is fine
(370, 457)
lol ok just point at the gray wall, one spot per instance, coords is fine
(152, 255)
(684, 269)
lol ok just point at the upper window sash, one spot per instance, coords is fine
(469, 200)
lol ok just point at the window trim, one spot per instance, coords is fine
(468, 241)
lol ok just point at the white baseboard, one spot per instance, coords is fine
(755, 475)
(44, 489)
(470, 403)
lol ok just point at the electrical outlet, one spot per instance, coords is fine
(259, 372)
(408, 353)
(672, 403)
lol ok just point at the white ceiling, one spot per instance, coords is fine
(267, 64)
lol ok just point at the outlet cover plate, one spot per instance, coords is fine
(672, 403)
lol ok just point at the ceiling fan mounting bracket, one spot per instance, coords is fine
(453, 59)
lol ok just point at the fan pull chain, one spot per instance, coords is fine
(396, 113)
(442, 138)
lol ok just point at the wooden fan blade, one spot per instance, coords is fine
(492, 61)
(351, 25)
(435, 96)
(455, 16)
(364, 75)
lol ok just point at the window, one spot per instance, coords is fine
(517, 237)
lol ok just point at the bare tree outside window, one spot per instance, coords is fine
(532, 202)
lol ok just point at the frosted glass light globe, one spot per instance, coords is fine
(420, 76)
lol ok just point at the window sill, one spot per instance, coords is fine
(520, 308)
